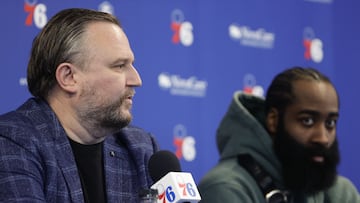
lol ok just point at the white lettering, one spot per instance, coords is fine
(183, 86)
(248, 37)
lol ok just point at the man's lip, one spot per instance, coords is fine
(129, 100)
(318, 159)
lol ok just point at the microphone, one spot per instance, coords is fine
(172, 185)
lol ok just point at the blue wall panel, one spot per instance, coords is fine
(192, 56)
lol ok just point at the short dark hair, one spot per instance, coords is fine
(59, 41)
(280, 92)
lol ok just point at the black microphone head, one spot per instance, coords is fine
(161, 163)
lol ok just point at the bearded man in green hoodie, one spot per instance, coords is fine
(282, 148)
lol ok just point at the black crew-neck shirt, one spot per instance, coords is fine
(89, 161)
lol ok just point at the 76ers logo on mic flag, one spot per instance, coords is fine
(177, 187)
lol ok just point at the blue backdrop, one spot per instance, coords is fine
(193, 54)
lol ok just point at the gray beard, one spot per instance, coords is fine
(108, 118)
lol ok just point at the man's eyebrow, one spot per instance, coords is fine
(119, 60)
(311, 112)
(317, 113)
(334, 114)
(123, 59)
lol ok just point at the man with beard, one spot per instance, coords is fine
(72, 141)
(283, 148)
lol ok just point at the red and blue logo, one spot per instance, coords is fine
(251, 87)
(36, 13)
(183, 30)
(178, 186)
(313, 46)
(185, 144)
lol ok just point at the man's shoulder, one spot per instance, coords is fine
(134, 129)
(134, 137)
(235, 175)
(229, 182)
(344, 191)
(135, 134)
(15, 122)
(31, 111)
(31, 118)
(343, 182)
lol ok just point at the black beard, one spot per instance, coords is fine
(300, 173)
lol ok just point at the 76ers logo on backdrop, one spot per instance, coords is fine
(313, 46)
(36, 13)
(185, 144)
(183, 30)
(251, 87)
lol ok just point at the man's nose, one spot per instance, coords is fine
(321, 136)
(133, 77)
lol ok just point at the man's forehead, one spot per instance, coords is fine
(315, 95)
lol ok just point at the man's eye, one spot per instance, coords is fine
(121, 65)
(331, 123)
(308, 121)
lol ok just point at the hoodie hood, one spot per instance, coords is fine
(242, 131)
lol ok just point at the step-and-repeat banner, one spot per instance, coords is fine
(192, 55)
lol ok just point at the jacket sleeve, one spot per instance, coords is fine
(20, 176)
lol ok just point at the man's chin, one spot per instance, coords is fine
(118, 120)
(126, 115)
(314, 178)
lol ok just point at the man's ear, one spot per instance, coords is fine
(65, 76)
(272, 120)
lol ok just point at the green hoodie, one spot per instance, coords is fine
(242, 131)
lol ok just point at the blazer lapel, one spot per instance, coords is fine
(67, 164)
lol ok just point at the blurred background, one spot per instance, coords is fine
(193, 54)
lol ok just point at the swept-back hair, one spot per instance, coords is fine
(59, 41)
(280, 92)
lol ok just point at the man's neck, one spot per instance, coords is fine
(76, 129)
